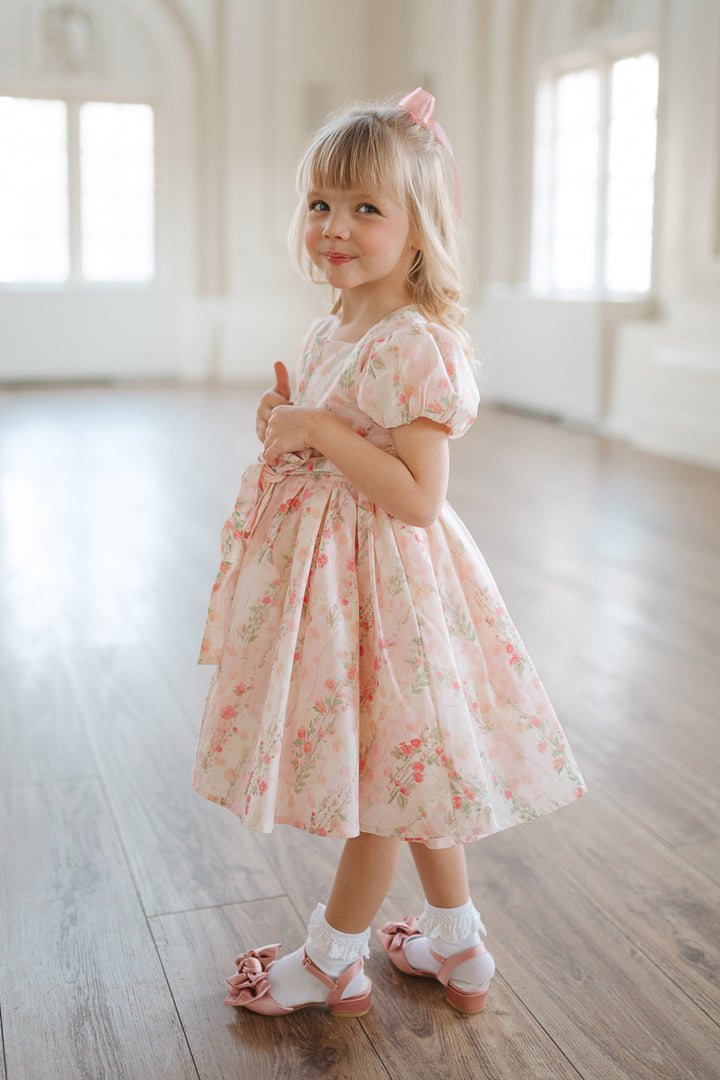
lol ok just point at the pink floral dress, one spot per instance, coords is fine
(368, 675)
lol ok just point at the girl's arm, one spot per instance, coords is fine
(411, 486)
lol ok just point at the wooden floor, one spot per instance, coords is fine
(124, 896)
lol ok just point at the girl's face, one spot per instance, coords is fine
(360, 240)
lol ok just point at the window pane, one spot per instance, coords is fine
(630, 206)
(573, 261)
(578, 100)
(117, 192)
(575, 167)
(543, 166)
(632, 141)
(34, 234)
(540, 247)
(629, 262)
(632, 146)
(575, 207)
(575, 216)
(577, 154)
(634, 86)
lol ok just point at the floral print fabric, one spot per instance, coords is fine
(368, 675)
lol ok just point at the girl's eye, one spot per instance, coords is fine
(368, 208)
(319, 206)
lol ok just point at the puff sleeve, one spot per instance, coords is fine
(418, 370)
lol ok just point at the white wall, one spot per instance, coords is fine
(238, 85)
(80, 331)
(309, 58)
(667, 386)
(649, 373)
(286, 65)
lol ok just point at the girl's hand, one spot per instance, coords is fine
(279, 395)
(289, 430)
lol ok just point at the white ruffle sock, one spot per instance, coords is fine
(448, 931)
(291, 984)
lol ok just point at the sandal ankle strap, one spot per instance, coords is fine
(448, 965)
(336, 986)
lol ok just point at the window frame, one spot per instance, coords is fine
(75, 282)
(602, 63)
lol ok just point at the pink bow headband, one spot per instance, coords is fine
(420, 104)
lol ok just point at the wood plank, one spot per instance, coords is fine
(610, 1009)
(609, 562)
(650, 748)
(416, 1025)
(617, 635)
(43, 737)
(184, 851)
(541, 474)
(705, 856)
(41, 730)
(670, 911)
(197, 949)
(600, 631)
(85, 992)
(652, 783)
(410, 1022)
(616, 595)
(603, 527)
(304, 864)
(3, 1071)
(417, 1034)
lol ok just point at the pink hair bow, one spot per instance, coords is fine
(420, 105)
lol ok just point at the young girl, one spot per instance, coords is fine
(369, 683)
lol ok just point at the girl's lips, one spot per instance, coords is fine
(336, 257)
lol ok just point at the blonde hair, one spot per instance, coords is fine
(380, 147)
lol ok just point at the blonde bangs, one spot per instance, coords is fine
(359, 155)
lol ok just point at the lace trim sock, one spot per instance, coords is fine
(448, 931)
(291, 984)
(452, 924)
(329, 948)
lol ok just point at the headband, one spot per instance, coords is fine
(420, 104)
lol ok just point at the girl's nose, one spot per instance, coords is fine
(336, 225)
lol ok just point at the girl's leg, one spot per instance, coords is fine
(364, 875)
(339, 934)
(443, 874)
(450, 923)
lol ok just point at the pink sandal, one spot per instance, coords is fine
(393, 936)
(250, 987)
